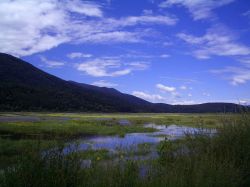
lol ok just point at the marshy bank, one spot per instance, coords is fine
(195, 160)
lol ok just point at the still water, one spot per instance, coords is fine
(132, 140)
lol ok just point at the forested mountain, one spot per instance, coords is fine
(24, 87)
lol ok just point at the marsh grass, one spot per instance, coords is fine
(207, 120)
(66, 129)
(202, 160)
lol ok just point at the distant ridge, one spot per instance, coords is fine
(24, 87)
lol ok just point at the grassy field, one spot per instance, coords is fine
(32, 153)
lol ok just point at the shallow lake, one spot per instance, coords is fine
(132, 140)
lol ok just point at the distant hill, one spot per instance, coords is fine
(24, 87)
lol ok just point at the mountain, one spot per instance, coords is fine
(24, 87)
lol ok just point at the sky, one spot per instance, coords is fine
(164, 51)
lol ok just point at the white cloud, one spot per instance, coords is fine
(113, 37)
(25, 26)
(244, 102)
(169, 89)
(130, 56)
(51, 63)
(190, 95)
(100, 67)
(148, 97)
(206, 94)
(183, 87)
(103, 83)
(147, 12)
(245, 61)
(33, 26)
(166, 88)
(165, 56)
(247, 13)
(79, 55)
(217, 41)
(144, 20)
(84, 7)
(136, 55)
(138, 65)
(188, 102)
(236, 75)
(200, 9)
(181, 80)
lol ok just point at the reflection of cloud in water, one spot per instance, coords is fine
(131, 140)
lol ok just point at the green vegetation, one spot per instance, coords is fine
(210, 120)
(197, 161)
(11, 149)
(73, 125)
(95, 155)
(68, 129)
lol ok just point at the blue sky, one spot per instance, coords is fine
(169, 51)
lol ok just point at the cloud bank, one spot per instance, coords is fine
(33, 26)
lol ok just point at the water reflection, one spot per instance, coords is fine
(132, 140)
